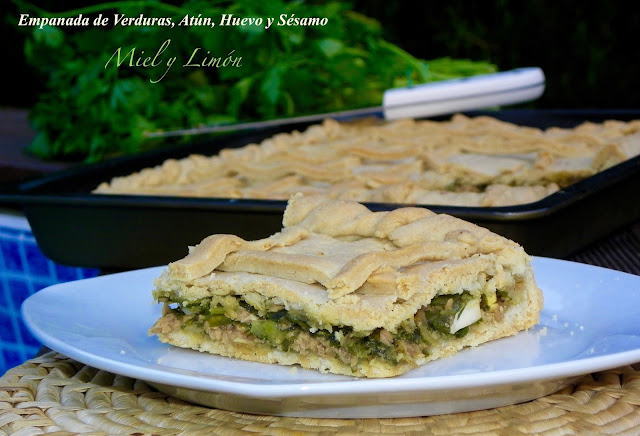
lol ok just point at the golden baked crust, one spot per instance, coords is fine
(350, 291)
(465, 162)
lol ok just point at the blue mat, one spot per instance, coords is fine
(24, 270)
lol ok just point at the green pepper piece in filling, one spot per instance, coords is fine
(276, 316)
(218, 320)
(195, 307)
(268, 330)
(462, 332)
(217, 310)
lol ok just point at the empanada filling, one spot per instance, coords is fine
(262, 322)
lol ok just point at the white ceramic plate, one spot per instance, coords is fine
(589, 323)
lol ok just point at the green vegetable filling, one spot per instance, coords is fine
(281, 329)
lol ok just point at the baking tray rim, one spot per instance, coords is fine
(536, 210)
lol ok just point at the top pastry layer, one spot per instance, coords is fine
(343, 248)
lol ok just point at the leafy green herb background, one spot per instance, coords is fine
(369, 46)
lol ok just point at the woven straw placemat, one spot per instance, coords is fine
(57, 395)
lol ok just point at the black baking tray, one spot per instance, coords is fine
(121, 232)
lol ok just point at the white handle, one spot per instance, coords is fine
(468, 93)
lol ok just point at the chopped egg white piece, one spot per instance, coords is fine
(467, 316)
